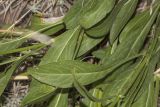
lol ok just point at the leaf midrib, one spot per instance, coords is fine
(63, 48)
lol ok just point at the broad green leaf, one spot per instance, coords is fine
(59, 73)
(63, 47)
(133, 25)
(87, 44)
(48, 28)
(94, 11)
(122, 18)
(141, 38)
(103, 27)
(38, 92)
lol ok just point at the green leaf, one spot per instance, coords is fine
(21, 49)
(122, 18)
(113, 82)
(103, 27)
(146, 99)
(71, 19)
(137, 80)
(133, 42)
(141, 38)
(38, 92)
(114, 46)
(97, 93)
(141, 101)
(150, 99)
(10, 46)
(117, 53)
(101, 53)
(115, 79)
(59, 73)
(156, 94)
(127, 84)
(7, 46)
(60, 50)
(63, 47)
(48, 28)
(150, 69)
(136, 86)
(82, 90)
(133, 25)
(60, 99)
(94, 11)
(78, 9)
(125, 42)
(87, 44)
(5, 76)
(9, 60)
(143, 81)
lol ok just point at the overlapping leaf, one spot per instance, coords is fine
(63, 47)
(5, 76)
(94, 11)
(118, 77)
(122, 18)
(60, 52)
(60, 73)
(87, 44)
(103, 27)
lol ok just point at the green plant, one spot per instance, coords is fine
(124, 43)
